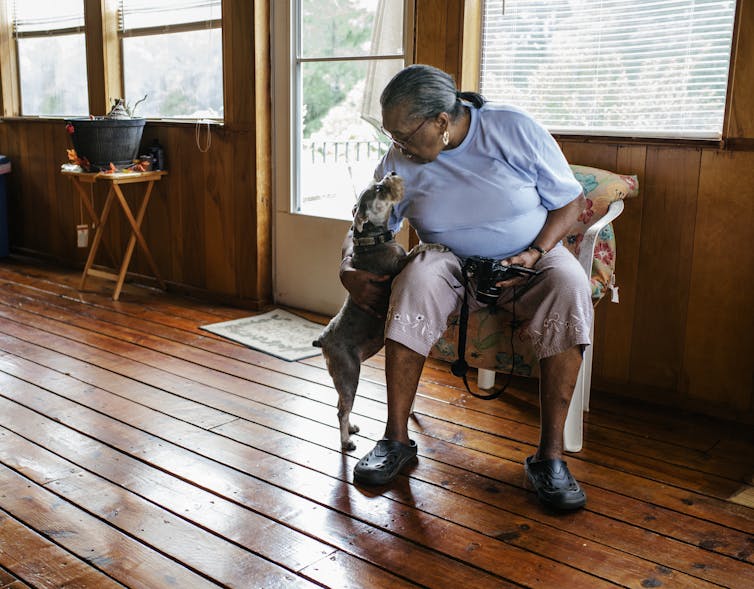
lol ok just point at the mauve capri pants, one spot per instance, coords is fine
(554, 306)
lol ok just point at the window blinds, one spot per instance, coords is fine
(47, 16)
(648, 68)
(139, 14)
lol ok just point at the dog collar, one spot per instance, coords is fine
(373, 239)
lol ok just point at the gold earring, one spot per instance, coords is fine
(445, 137)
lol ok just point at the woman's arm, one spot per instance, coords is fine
(370, 292)
(558, 222)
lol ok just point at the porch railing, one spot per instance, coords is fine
(331, 152)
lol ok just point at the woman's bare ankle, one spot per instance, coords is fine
(399, 435)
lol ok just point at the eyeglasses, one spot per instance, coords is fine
(403, 145)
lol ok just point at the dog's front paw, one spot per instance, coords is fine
(346, 443)
(348, 446)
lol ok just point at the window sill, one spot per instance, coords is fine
(47, 119)
(628, 140)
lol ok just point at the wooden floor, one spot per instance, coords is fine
(137, 450)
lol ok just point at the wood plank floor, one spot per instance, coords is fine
(139, 451)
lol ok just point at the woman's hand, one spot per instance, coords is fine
(526, 258)
(370, 292)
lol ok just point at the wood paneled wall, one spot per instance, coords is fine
(683, 333)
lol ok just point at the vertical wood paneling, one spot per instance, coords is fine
(667, 240)
(614, 326)
(62, 234)
(31, 162)
(219, 216)
(178, 205)
(430, 26)
(719, 342)
(439, 31)
(189, 198)
(16, 211)
(590, 154)
(44, 151)
(246, 35)
(175, 206)
(253, 266)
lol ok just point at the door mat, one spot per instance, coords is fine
(278, 333)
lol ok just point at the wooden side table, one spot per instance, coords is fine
(115, 194)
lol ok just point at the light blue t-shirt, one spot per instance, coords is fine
(490, 195)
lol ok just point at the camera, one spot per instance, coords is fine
(488, 272)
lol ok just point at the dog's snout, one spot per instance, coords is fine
(391, 179)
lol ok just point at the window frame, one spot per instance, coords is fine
(287, 94)
(10, 69)
(216, 23)
(302, 61)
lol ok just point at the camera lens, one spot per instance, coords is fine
(489, 296)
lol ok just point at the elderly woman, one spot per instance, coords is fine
(483, 180)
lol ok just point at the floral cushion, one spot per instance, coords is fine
(488, 339)
(600, 189)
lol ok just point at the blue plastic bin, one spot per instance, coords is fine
(4, 169)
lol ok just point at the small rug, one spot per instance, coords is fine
(278, 333)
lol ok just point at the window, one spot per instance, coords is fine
(172, 54)
(346, 51)
(647, 68)
(51, 52)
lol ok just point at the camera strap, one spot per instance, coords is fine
(460, 367)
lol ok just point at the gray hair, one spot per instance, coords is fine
(427, 91)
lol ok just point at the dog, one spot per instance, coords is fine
(354, 335)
